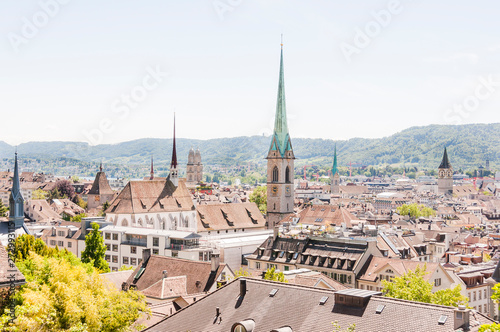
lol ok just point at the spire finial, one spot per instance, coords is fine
(100, 167)
(282, 41)
(152, 169)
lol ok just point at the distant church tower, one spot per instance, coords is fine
(16, 200)
(335, 177)
(198, 166)
(280, 159)
(174, 172)
(445, 176)
(194, 171)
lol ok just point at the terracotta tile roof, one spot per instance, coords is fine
(152, 196)
(400, 266)
(325, 215)
(318, 280)
(299, 308)
(167, 288)
(199, 275)
(229, 216)
(6, 270)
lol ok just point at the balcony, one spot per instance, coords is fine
(135, 243)
(182, 246)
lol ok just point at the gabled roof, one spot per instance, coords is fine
(229, 216)
(101, 185)
(157, 195)
(200, 277)
(401, 266)
(299, 308)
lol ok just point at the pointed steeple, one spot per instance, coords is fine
(334, 167)
(173, 163)
(152, 170)
(16, 200)
(281, 138)
(445, 163)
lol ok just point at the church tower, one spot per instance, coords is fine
(445, 176)
(335, 177)
(174, 173)
(280, 160)
(16, 200)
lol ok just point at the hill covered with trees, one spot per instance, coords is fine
(468, 147)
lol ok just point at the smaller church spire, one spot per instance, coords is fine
(335, 167)
(152, 170)
(173, 163)
(16, 200)
(445, 163)
(174, 173)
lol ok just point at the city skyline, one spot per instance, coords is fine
(366, 70)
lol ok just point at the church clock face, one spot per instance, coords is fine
(288, 190)
(274, 190)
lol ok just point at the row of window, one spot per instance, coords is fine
(125, 260)
(473, 298)
(60, 244)
(107, 236)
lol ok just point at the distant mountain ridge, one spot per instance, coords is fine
(468, 146)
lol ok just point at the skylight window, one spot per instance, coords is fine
(273, 292)
(442, 319)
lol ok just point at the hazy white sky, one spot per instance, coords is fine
(94, 70)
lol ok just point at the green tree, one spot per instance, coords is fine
(95, 249)
(78, 217)
(450, 297)
(415, 210)
(64, 294)
(413, 287)
(39, 194)
(493, 327)
(272, 275)
(26, 244)
(3, 210)
(338, 328)
(105, 206)
(259, 197)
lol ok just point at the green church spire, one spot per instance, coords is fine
(281, 138)
(334, 167)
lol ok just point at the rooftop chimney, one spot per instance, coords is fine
(215, 260)
(146, 253)
(243, 287)
(461, 317)
(164, 274)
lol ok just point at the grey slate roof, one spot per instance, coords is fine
(299, 308)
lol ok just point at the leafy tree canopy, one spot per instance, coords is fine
(272, 275)
(64, 294)
(415, 210)
(259, 197)
(413, 287)
(95, 249)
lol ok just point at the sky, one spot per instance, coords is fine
(111, 71)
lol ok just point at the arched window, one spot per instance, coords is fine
(275, 174)
(124, 223)
(287, 175)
